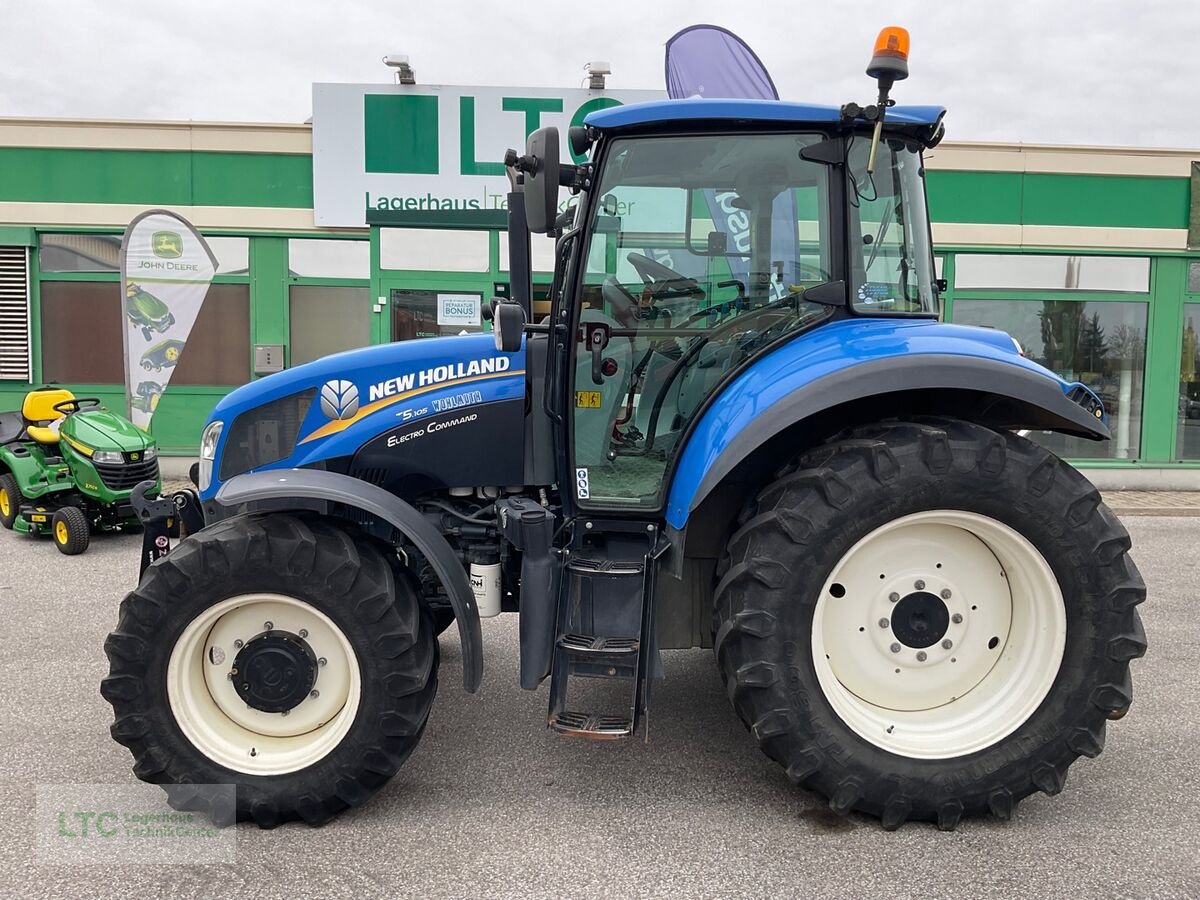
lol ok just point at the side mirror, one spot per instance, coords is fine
(541, 168)
(508, 324)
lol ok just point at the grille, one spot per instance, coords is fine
(123, 476)
(265, 434)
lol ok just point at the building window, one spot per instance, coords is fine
(329, 259)
(1037, 272)
(1101, 344)
(102, 253)
(1187, 441)
(81, 332)
(327, 320)
(1193, 284)
(218, 348)
(433, 250)
(541, 252)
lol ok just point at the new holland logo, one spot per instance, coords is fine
(166, 244)
(339, 399)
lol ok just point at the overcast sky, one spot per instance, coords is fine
(1060, 71)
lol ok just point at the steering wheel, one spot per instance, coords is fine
(624, 306)
(76, 404)
(660, 278)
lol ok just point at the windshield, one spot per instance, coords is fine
(890, 252)
(700, 250)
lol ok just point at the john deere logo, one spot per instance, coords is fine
(339, 399)
(166, 244)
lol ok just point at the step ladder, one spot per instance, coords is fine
(588, 578)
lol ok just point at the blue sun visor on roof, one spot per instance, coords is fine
(767, 112)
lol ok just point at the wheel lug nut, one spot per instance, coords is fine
(285, 712)
(919, 584)
(893, 596)
(895, 648)
(922, 656)
(238, 643)
(956, 618)
(268, 625)
(303, 632)
(322, 661)
(947, 644)
(314, 694)
(945, 593)
(883, 623)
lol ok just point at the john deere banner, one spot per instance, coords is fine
(166, 268)
(431, 147)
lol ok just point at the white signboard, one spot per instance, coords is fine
(458, 309)
(166, 268)
(431, 147)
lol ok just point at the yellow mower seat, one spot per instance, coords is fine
(39, 413)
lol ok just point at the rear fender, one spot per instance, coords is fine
(884, 361)
(300, 488)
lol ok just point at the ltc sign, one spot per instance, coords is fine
(430, 147)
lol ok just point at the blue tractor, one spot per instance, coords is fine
(741, 426)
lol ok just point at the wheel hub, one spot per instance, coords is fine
(920, 620)
(275, 671)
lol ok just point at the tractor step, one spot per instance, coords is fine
(584, 565)
(590, 646)
(591, 725)
(606, 625)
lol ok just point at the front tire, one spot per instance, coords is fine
(265, 594)
(70, 530)
(927, 620)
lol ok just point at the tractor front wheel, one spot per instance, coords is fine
(276, 653)
(929, 619)
(69, 528)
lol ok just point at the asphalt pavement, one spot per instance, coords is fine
(491, 804)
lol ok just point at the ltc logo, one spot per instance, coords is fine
(339, 399)
(166, 244)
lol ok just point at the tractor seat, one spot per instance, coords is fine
(41, 418)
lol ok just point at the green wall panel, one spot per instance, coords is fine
(167, 177)
(94, 176)
(1112, 200)
(993, 198)
(252, 179)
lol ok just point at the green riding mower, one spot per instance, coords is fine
(68, 467)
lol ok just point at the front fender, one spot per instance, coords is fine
(855, 359)
(332, 487)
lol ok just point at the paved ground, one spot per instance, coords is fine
(491, 805)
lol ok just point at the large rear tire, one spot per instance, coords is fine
(928, 619)
(276, 653)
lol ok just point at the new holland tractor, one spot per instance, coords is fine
(742, 426)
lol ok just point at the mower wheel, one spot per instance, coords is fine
(69, 528)
(277, 653)
(10, 500)
(928, 619)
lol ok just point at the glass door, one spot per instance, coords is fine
(422, 313)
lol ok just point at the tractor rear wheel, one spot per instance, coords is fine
(10, 500)
(926, 620)
(276, 653)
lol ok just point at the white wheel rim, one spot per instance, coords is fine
(217, 721)
(936, 702)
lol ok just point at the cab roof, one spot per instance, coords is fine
(922, 119)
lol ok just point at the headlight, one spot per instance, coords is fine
(208, 452)
(149, 453)
(108, 456)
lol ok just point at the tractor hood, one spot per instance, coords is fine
(99, 429)
(393, 397)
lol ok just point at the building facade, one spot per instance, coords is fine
(1080, 253)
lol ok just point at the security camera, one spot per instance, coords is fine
(404, 71)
